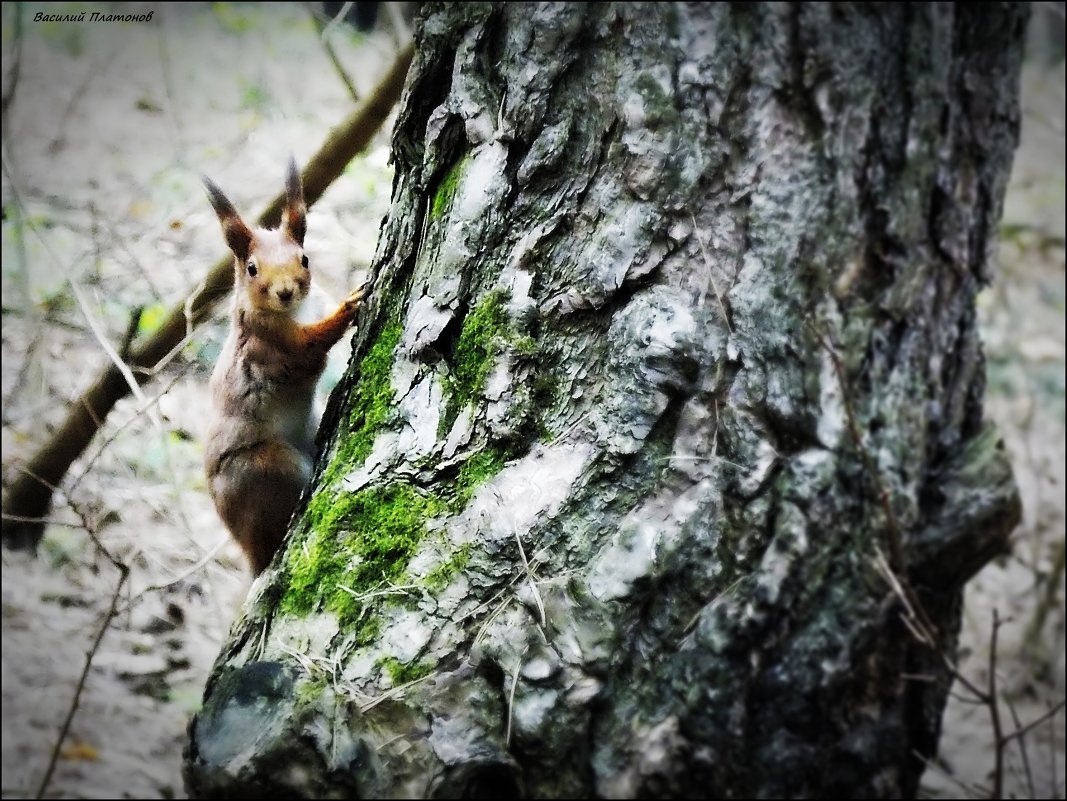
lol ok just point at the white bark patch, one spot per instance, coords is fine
(647, 138)
(655, 751)
(518, 282)
(651, 339)
(454, 740)
(790, 543)
(430, 314)
(405, 634)
(630, 556)
(524, 492)
(461, 432)
(480, 188)
(307, 635)
(540, 667)
(532, 710)
(831, 423)
(419, 402)
(766, 459)
(610, 257)
(360, 665)
(382, 455)
(420, 411)
(648, 536)
(482, 185)
(498, 382)
(500, 392)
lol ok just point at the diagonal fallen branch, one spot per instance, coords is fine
(30, 495)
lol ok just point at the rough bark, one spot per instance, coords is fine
(673, 341)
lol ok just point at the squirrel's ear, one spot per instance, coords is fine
(238, 235)
(294, 220)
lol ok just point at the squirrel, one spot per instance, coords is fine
(261, 440)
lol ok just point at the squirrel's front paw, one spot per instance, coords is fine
(354, 301)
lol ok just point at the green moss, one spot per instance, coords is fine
(403, 673)
(309, 691)
(528, 414)
(478, 469)
(659, 106)
(446, 191)
(350, 545)
(357, 543)
(442, 575)
(373, 395)
(525, 346)
(485, 332)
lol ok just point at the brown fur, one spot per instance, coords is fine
(261, 441)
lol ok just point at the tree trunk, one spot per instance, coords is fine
(667, 409)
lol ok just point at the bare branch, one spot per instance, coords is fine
(324, 31)
(1051, 713)
(30, 498)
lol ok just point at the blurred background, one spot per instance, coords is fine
(107, 128)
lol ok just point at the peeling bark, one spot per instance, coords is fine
(589, 519)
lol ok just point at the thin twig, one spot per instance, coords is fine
(711, 277)
(126, 424)
(199, 565)
(912, 618)
(994, 712)
(45, 521)
(530, 578)
(511, 697)
(402, 33)
(65, 728)
(131, 331)
(966, 699)
(124, 574)
(101, 339)
(486, 604)
(333, 23)
(1022, 749)
(16, 62)
(1051, 713)
(325, 31)
(896, 540)
(79, 93)
(394, 692)
(391, 590)
(968, 790)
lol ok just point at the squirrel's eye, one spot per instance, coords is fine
(304, 261)
(252, 269)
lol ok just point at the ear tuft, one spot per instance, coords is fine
(294, 220)
(219, 201)
(238, 234)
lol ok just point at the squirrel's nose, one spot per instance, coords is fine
(285, 295)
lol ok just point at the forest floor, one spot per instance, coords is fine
(107, 132)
